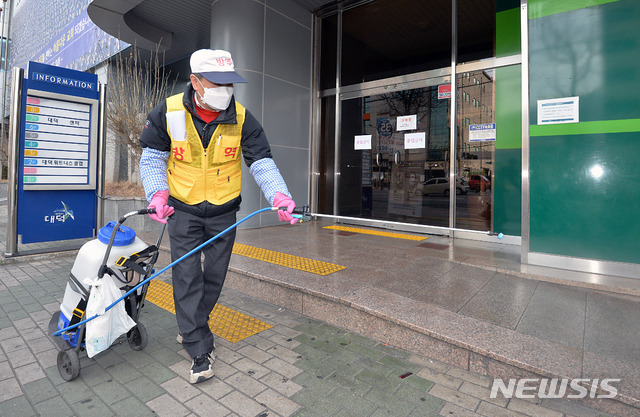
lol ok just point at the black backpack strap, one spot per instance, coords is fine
(78, 312)
(77, 286)
(132, 261)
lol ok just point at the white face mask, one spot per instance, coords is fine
(218, 98)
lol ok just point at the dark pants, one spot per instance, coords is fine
(197, 284)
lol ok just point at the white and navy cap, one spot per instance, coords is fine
(216, 66)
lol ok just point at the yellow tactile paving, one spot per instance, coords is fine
(234, 326)
(377, 233)
(290, 261)
(161, 294)
(223, 321)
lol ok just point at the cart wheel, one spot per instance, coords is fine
(68, 364)
(138, 337)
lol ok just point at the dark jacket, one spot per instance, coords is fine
(254, 143)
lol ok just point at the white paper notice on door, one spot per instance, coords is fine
(415, 140)
(407, 122)
(559, 110)
(362, 142)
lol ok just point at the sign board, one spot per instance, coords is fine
(60, 143)
(407, 122)
(79, 45)
(444, 91)
(482, 132)
(559, 110)
(415, 140)
(362, 142)
(58, 154)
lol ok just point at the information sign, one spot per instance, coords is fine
(57, 139)
(58, 154)
(482, 132)
(559, 110)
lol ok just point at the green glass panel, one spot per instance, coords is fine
(590, 53)
(509, 107)
(507, 213)
(508, 32)
(508, 160)
(542, 8)
(584, 199)
(502, 5)
(583, 176)
(605, 126)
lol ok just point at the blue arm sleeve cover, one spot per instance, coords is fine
(268, 178)
(153, 170)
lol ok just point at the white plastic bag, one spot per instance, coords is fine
(102, 331)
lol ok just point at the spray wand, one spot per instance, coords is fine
(304, 214)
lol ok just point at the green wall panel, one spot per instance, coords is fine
(583, 128)
(508, 111)
(542, 8)
(573, 213)
(508, 32)
(587, 49)
(591, 53)
(502, 5)
(507, 212)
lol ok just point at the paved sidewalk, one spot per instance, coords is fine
(299, 367)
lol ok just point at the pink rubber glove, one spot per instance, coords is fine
(159, 202)
(281, 200)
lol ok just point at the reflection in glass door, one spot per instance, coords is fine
(403, 174)
(475, 149)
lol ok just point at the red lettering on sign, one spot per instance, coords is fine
(178, 153)
(230, 152)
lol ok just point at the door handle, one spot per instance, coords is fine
(396, 158)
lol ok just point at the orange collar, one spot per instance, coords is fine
(207, 115)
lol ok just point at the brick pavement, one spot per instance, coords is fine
(299, 367)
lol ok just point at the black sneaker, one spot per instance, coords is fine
(201, 368)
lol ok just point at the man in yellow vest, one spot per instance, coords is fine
(191, 171)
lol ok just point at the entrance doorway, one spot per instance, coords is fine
(390, 146)
(403, 173)
(403, 176)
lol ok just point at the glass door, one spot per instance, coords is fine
(389, 141)
(394, 155)
(475, 148)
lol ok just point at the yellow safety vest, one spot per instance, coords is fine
(196, 174)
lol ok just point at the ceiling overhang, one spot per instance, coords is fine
(118, 18)
(165, 26)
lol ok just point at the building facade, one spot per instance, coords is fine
(383, 112)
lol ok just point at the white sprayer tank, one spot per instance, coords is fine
(90, 258)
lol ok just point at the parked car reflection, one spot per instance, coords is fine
(479, 182)
(441, 186)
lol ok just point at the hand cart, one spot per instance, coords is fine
(126, 271)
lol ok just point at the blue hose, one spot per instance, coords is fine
(59, 332)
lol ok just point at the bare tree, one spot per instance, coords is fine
(409, 102)
(135, 87)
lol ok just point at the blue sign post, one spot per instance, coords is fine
(58, 155)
